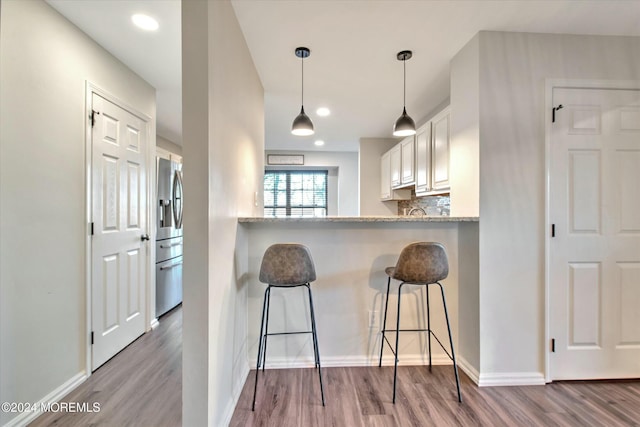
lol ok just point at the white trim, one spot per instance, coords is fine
(511, 379)
(468, 369)
(149, 311)
(354, 361)
(237, 390)
(25, 418)
(550, 84)
(154, 323)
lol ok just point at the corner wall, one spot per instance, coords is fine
(513, 69)
(44, 63)
(223, 134)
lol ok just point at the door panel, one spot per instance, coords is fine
(119, 211)
(584, 191)
(594, 259)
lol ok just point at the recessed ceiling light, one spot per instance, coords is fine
(323, 111)
(319, 142)
(145, 22)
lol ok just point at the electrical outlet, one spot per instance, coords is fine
(373, 318)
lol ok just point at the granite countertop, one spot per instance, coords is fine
(395, 218)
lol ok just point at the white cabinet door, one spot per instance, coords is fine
(396, 164)
(423, 159)
(440, 150)
(385, 176)
(407, 149)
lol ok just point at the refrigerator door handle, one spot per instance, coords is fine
(177, 199)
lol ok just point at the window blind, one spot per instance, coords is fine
(295, 193)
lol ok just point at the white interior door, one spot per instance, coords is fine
(594, 259)
(119, 212)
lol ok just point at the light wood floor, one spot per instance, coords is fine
(362, 397)
(142, 386)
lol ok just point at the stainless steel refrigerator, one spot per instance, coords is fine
(168, 235)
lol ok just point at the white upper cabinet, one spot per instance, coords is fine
(440, 150)
(385, 176)
(396, 166)
(386, 192)
(423, 158)
(407, 149)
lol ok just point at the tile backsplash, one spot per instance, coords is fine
(432, 205)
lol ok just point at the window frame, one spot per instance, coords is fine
(288, 207)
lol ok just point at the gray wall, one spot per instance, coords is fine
(165, 144)
(44, 63)
(223, 149)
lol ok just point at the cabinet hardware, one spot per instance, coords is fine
(91, 337)
(553, 230)
(553, 345)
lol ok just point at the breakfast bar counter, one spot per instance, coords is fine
(350, 256)
(345, 219)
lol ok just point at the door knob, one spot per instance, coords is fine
(144, 237)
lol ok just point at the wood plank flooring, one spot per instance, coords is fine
(362, 397)
(142, 386)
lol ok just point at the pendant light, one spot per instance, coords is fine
(405, 125)
(302, 125)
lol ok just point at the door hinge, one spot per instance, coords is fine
(92, 117)
(91, 337)
(553, 230)
(553, 345)
(91, 229)
(553, 112)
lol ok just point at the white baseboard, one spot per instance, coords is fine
(26, 417)
(511, 379)
(154, 323)
(468, 369)
(241, 378)
(351, 361)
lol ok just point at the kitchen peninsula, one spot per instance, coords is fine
(350, 255)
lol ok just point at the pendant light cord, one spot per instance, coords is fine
(404, 86)
(302, 91)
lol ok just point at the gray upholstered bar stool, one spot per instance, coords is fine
(422, 263)
(286, 265)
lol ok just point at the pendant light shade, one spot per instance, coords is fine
(404, 126)
(302, 124)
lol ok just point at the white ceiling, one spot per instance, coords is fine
(353, 68)
(154, 56)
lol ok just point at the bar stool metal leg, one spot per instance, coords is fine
(315, 340)
(395, 367)
(428, 325)
(384, 322)
(316, 355)
(453, 353)
(266, 329)
(255, 384)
